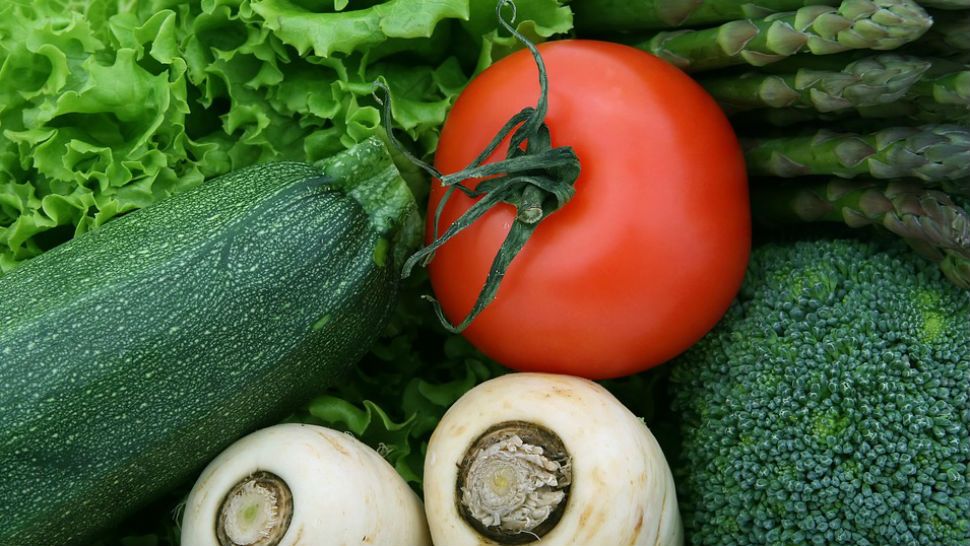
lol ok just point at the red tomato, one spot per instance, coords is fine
(652, 248)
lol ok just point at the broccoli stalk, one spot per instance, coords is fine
(830, 405)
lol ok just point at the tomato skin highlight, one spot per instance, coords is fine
(648, 254)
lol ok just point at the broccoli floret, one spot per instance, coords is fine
(831, 405)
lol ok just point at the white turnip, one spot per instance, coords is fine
(296, 485)
(535, 457)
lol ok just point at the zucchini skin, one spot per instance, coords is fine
(132, 355)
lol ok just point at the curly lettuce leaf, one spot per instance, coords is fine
(108, 106)
(371, 425)
(326, 33)
(96, 133)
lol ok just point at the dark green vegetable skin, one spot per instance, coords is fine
(135, 353)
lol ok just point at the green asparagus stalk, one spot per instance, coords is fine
(918, 111)
(787, 117)
(932, 153)
(821, 30)
(946, 83)
(624, 15)
(888, 86)
(950, 89)
(928, 220)
(956, 268)
(958, 188)
(949, 35)
(868, 81)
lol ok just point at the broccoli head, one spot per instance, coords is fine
(831, 405)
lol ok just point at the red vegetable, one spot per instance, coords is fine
(652, 248)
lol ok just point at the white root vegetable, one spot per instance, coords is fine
(296, 485)
(547, 459)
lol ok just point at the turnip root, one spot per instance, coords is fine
(535, 457)
(297, 485)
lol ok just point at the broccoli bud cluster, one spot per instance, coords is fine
(831, 405)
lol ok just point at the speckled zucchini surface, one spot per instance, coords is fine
(132, 355)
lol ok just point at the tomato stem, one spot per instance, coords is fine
(530, 207)
(536, 178)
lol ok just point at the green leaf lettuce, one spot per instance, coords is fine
(107, 106)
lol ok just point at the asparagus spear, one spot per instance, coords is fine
(860, 120)
(917, 111)
(787, 117)
(620, 15)
(958, 188)
(946, 83)
(871, 80)
(884, 86)
(932, 153)
(822, 30)
(928, 220)
(957, 269)
(949, 35)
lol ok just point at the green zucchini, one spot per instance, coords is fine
(132, 355)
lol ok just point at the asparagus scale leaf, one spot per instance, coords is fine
(821, 30)
(949, 88)
(868, 81)
(957, 269)
(932, 153)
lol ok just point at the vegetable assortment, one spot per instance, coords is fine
(601, 186)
